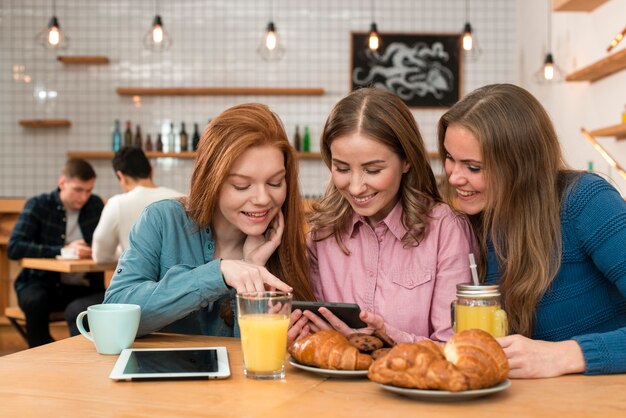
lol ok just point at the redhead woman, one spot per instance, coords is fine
(240, 229)
(552, 238)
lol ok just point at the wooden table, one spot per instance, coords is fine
(66, 266)
(68, 378)
(70, 266)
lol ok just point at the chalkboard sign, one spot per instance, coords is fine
(422, 69)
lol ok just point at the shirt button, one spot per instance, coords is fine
(204, 304)
(62, 235)
(410, 282)
(64, 220)
(208, 231)
(210, 246)
(119, 270)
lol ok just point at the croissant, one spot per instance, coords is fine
(472, 359)
(328, 349)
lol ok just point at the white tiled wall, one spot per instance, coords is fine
(214, 44)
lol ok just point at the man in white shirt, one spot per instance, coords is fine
(134, 173)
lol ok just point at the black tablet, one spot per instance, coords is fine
(171, 363)
(347, 312)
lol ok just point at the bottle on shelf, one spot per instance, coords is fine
(117, 136)
(148, 146)
(297, 143)
(159, 143)
(590, 166)
(138, 142)
(184, 138)
(196, 137)
(170, 139)
(306, 140)
(128, 135)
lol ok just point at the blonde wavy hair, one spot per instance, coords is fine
(226, 138)
(382, 116)
(525, 178)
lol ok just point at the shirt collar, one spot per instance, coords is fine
(393, 221)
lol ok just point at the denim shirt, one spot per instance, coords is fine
(169, 270)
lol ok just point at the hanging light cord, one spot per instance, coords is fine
(271, 10)
(467, 19)
(549, 26)
(372, 3)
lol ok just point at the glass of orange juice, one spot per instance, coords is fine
(263, 321)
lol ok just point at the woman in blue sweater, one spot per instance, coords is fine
(554, 239)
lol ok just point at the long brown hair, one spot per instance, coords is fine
(383, 117)
(226, 138)
(524, 176)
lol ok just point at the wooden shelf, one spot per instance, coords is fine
(107, 155)
(44, 123)
(576, 5)
(83, 59)
(601, 68)
(223, 91)
(618, 131)
(309, 155)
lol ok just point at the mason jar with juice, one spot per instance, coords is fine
(478, 306)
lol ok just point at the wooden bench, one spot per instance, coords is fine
(16, 317)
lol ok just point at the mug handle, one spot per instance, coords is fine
(452, 315)
(81, 328)
(501, 327)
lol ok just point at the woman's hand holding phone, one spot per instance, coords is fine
(257, 249)
(330, 321)
(298, 326)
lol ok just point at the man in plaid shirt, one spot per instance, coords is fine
(67, 217)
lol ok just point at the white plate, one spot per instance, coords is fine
(346, 374)
(445, 396)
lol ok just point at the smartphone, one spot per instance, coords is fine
(347, 312)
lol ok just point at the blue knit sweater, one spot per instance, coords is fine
(586, 301)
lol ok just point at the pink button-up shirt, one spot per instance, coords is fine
(412, 287)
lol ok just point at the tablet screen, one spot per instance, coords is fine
(171, 363)
(182, 361)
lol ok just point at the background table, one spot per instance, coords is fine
(70, 266)
(68, 378)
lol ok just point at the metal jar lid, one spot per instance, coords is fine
(482, 291)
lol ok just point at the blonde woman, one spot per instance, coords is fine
(552, 238)
(381, 237)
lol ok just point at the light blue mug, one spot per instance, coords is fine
(113, 326)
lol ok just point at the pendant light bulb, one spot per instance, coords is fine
(271, 47)
(548, 68)
(157, 39)
(467, 37)
(270, 37)
(373, 39)
(471, 49)
(53, 32)
(52, 36)
(549, 71)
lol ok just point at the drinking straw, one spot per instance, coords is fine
(473, 269)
